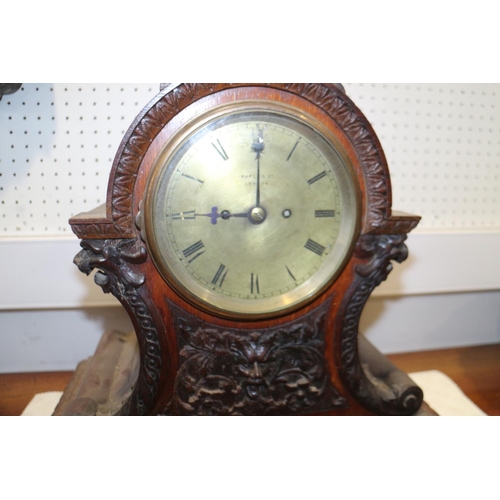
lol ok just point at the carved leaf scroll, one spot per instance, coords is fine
(115, 259)
(377, 251)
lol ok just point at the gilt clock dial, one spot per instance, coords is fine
(251, 210)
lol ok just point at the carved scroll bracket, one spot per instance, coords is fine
(115, 260)
(377, 252)
(111, 257)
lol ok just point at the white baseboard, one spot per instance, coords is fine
(426, 322)
(446, 263)
(48, 340)
(40, 274)
(54, 340)
(445, 295)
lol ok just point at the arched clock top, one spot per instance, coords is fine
(116, 219)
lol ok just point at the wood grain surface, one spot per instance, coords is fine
(476, 370)
(17, 389)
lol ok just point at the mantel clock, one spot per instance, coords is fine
(245, 227)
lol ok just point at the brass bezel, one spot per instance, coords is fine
(224, 306)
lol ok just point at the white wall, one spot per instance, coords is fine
(57, 142)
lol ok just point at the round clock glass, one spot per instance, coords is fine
(252, 210)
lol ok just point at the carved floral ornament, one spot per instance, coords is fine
(237, 372)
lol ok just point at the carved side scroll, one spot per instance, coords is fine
(116, 276)
(377, 251)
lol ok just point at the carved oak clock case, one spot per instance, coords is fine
(245, 227)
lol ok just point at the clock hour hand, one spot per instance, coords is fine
(214, 215)
(258, 146)
(225, 214)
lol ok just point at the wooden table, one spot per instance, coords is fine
(475, 369)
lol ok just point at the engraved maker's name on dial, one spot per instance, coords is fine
(251, 180)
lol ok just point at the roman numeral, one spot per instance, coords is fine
(314, 247)
(324, 213)
(220, 150)
(293, 149)
(316, 178)
(193, 178)
(193, 249)
(254, 283)
(189, 215)
(220, 275)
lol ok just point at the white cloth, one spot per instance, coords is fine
(42, 404)
(443, 395)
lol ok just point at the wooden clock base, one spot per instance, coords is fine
(103, 383)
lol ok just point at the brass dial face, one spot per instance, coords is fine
(252, 211)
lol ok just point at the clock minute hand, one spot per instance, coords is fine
(257, 199)
(258, 146)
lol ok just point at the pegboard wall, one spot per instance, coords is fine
(57, 145)
(442, 143)
(58, 141)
